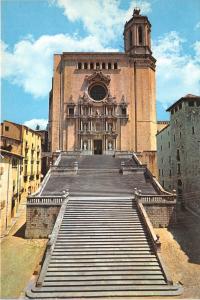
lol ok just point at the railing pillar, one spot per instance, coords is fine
(122, 167)
(158, 243)
(76, 167)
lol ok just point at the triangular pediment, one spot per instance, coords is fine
(98, 76)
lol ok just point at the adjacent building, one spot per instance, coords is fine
(105, 102)
(20, 168)
(178, 151)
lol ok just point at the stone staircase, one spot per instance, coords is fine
(102, 249)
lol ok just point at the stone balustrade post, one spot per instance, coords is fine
(76, 167)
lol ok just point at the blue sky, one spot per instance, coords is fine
(32, 30)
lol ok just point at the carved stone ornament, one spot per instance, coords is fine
(71, 101)
(110, 99)
(123, 102)
(98, 76)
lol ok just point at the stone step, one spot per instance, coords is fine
(84, 255)
(105, 294)
(100, 244)
(104, 273)
(100, 234)
(103, 259)
(103, 241)
(106, 282)
(112, 263)
(68, 227)
(84, 278)
(152, 287)
(100, 268)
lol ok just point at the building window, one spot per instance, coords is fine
(115, 66)
(170, 173)
(178, 155)
(169, 145)
(103, 65)
(123, 111)
(6, 128)
(71, 111)
(191, 103)
(180, 106)
(176, 108)
(91, 66)
(130, 38)
(192, 129)
(172, 111)
(140, 35)
(85, 66)
(109, 66)
(178, 169)
(174, 138)
(180, 134)
(79, 66)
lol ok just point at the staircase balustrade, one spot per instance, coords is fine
(52, 240)
(163, 198)
(47, 200)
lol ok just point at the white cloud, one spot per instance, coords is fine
(178, 74)
(34, 122)
(101, 18)
(30, 63)
(197, 26)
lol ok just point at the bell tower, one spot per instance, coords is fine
(137, 34)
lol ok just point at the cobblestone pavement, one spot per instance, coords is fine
(181, 253)
(19, 259)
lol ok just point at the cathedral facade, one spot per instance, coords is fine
(105, 102)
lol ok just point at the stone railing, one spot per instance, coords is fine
(155, 240)
(46, 200)
(154, 198)
(51, 242)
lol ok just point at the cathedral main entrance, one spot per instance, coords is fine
(97, 146)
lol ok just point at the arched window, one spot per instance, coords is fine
(140, 35)
(130, 38)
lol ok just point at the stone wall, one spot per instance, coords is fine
(40, 220)
(161, 214)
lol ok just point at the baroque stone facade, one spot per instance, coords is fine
(178, 151)
(105, 102)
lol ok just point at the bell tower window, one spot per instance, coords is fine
(130, 38)
(140, 35)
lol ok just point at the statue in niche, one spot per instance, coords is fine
(85, 146)
(110, 146)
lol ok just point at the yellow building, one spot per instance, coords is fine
(31, 151)
(20, 170)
